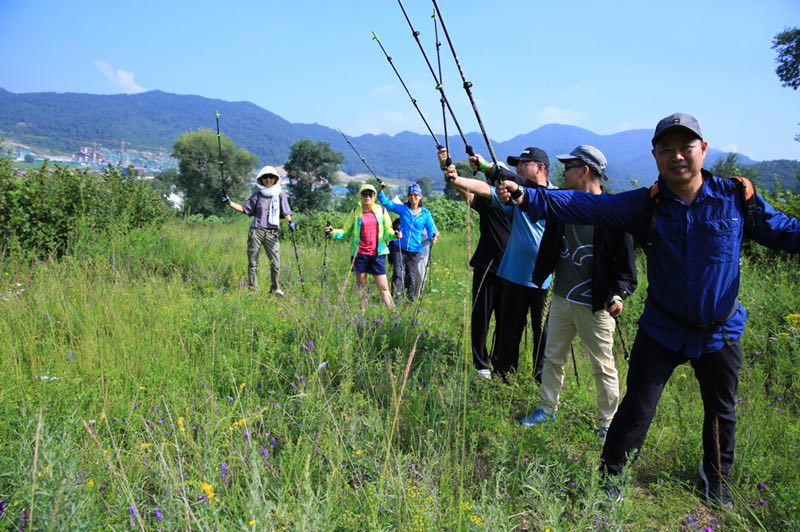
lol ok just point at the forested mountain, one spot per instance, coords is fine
(154, 119)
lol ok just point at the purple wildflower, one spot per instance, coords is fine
(322, 365)
(70, 356)
(762, 502)
(25, 516)
(273, 442)
(231, 399)
(202, 498)
(309, 347)
(761, 486)
(264, 452)
(161, 421)
(136, 406)
(317, 451)
(571, 485)
(247, 436)
(3, 505)
(46, 315)
(708, 529)
(223, 472)
(779, 399)
(78, 479)
(158, 515)
(132, 511)
(575, 458)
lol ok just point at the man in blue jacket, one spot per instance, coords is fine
(692, 312)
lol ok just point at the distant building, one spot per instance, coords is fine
(88, 154)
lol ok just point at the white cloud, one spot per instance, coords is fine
(554, 115)
(119, 79)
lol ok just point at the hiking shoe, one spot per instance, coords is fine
(485, 374)
(538, 416)
(716, 493)
(278, 292)
(602, 432)
(614, 494)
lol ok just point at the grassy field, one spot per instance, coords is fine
(144, 386)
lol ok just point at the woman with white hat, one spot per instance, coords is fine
(267, 206)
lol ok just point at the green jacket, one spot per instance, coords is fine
(352, 227)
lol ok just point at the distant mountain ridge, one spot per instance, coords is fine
(154, 119)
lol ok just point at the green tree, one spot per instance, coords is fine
(353, 188)
(730, 166)
(199, 176)
(311, 171)
(426, 184)
(29, 158)
(787, 44)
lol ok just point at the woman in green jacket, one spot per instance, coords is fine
(373, 226)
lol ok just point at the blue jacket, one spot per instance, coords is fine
(692, 255)
(411, 226)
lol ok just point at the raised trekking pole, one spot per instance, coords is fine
(448, 161)
(297, 258)
(439, 86)
(325, 253)
(219, 146)
(467, 84)
(359, 156)
(413, 100)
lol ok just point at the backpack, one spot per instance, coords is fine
(744, 187)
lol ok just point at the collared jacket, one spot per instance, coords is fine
(613, 261)
(352, 229)
(412, 226)
(692, 254)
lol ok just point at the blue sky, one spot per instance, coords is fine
(604, 66)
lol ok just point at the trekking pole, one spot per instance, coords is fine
(325, 253)
(575, 365)
(448, 161)
(297, 258)
(219, 146)
(413, 100)
(359, 156)
(622, 340)
(439, 86)
(467, 84)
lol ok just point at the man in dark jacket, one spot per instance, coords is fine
(595, 270)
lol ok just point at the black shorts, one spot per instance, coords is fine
(374, 264)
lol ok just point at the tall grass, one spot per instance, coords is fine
(142, 379)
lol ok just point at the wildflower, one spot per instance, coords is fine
(230, 399)
(571, 485)
(70, 356)
(466, 506)
(793, 319)
(708, 529)
(317, 451)
(223, 472)
(46, 316)
(575, 459)
(476, 519)
(247, 436)
(3, 505)
(146, 446)
(241, 422)
(158, 515)
(761, 486)
(252, 522)
(132, 511)
(358, 452)
(242, 387)
(264, 452)
(208, 491)
(762, 502)
(309, 347)
(273, 442)
(89, 484)
(180, 425)
(322, 365)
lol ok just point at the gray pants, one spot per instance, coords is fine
(269, 239)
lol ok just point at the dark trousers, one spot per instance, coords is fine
(650, 367)
(404, 272)
(486, 299)
(518, 301)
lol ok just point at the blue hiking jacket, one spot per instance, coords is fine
(411, 226)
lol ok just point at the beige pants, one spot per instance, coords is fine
(270, 241)
(596, 331)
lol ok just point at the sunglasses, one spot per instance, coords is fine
(573, 165)
(367, 194)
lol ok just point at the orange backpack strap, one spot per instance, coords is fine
(748, 192)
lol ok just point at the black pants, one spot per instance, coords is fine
(396, 258)
(486, 299)
(650, 367)
(518, 301)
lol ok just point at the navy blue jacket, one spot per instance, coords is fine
(692, 255)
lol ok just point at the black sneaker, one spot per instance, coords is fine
(614, 494)
(717, 493)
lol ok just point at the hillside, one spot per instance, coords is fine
(147, 121)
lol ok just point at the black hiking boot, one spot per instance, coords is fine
(716, 490)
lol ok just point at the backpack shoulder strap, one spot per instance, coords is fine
(649, 218)
(747, 191)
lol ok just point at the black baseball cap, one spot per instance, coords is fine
(530, 154)
(677, 121)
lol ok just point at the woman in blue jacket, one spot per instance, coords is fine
(414, 221)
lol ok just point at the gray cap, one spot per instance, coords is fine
(590, 155)
(677, 121)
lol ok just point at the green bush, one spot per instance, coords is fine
(44, 211)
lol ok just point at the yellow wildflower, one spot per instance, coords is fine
(89, 484)
(105, 452)
(466, 506)
(252, 522)
(241, 422)
(358, 452)
(180, 425)
(146, 446)
(477, 520)
(333, 473)
(208, 490)
(242, 386)
(793, 319)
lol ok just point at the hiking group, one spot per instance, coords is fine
(579, 240)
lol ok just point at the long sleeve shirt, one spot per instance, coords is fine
(412, 225)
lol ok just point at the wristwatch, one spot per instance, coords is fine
(517, 193)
